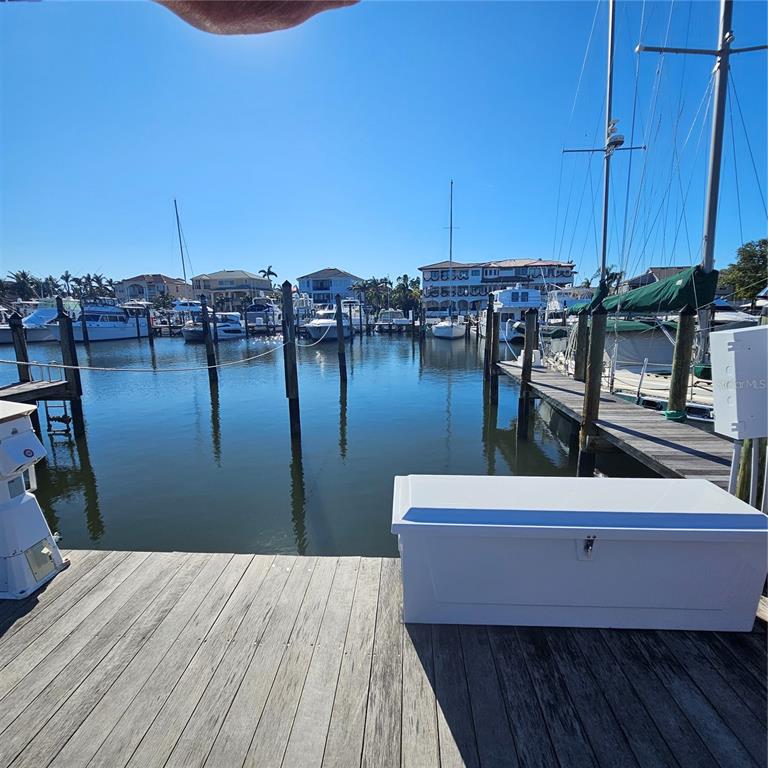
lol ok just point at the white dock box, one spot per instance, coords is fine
(578, 552)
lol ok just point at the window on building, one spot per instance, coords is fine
(434, 274)
(524, 296)
(475, 273)
(444, 274)
(514, 296)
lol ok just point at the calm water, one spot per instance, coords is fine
(169, 465)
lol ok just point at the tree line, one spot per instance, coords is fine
(380, 292)
(27, 287)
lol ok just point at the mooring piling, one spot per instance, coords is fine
(71, 370)
(340, 339)
(582, 342)
(488, 339)
(587, 433)
(84, 324)
(289, 358)
(524, 403)
(245, 318)
(20, 346)
(681, 364)
(150, 329)
(210, 351)
(496, 328)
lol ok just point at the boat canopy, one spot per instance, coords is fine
(692, 287)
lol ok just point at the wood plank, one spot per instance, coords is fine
(565, 729)
(606, 737)
(118, 748)
(309, 732)
(381, 742)
(495, 744)
(748, 651)
(18, 636)
(58, 710)
(274, 728)
(159, 741)
(749, 730)
(96, 728)
(14, 614)
(420, 748)
(718, 737)
(344, 742)
(234, 738)
(456, 732)
(42, 646)
(647, 743)
(201, 730)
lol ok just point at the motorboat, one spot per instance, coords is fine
(229, 325)
(263, 314)
(391, 320)
(560, 301)
(511, 304)
(105, 320)
(40, 323)
(450, 328)
(323, 326)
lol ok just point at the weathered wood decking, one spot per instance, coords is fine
(35, 391)
(140, 659)
(667, 447)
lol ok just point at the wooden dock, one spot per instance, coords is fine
(172, 659)
(668, 448)
(34, 391)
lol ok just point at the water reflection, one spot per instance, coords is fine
(343, 419)
(66, 473)
(215, 421)
(298, 498)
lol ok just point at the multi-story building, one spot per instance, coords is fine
(229, 288)
(149, 287)
(466, 286)
(323, 285)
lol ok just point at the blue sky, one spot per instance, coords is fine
(332, 144)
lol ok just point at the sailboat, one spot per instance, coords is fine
(450, 328)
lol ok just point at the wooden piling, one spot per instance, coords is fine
(340, 339)
(150, 329)
(20, 346)
(494, 393)
(488, 339)
(71, 371)
(582, 342)
(586, 462)
(360, 317)
(245, 319)
(681, 364)
(289, 358)
(84, 325)
(210, 351)
(524, 402)
(422, 323)
(351, 326)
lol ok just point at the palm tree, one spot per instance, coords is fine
(77, 289)
(66, 278)
(24, 284)
(110, 286)
(406, 293)
(268, 272)
(98, 284)
(52, 285)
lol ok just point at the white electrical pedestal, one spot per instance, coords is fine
(29, 556)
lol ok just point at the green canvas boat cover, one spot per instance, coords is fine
(692, 287)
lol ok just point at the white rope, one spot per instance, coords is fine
(61, 366)
(307, 346)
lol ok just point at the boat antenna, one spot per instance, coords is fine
(181, 247)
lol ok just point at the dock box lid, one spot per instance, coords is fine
(472, 502)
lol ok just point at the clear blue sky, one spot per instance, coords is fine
(332, 144)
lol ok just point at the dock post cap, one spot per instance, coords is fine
(14, 319)
(60, 308)
(688, 310)
(531, 309)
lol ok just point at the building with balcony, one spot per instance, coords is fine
(466, 286)
(150, 287)
(230, 288)
(323, 285)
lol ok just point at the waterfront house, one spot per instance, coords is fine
(466, 285)
(149, 287)
(322, 286)
(229, 288)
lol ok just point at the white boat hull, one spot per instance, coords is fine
(325, 332)
(450, 331)
(32, 335)
(108, 331)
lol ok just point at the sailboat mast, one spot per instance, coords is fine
(450, 252)
(181, 247)
(609, 129)
(724, 38)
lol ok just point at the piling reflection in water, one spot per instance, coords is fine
(215, 421)
(298, 498)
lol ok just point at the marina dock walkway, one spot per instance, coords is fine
(669, 448)
(35, 391)
(172, 659)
